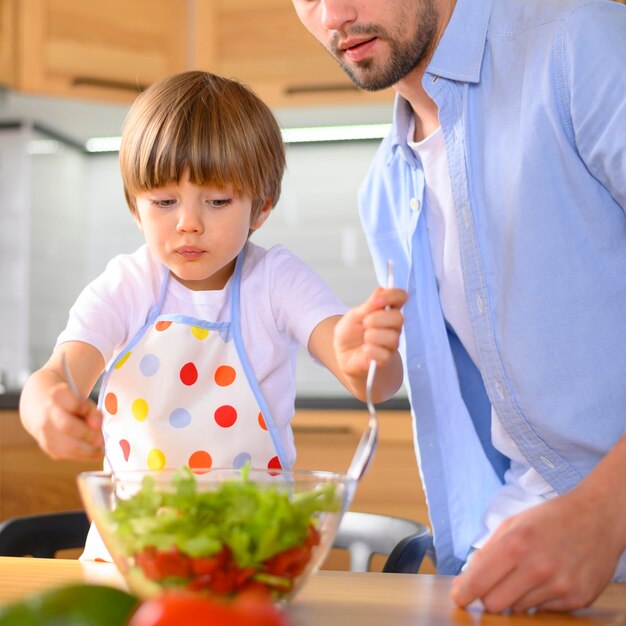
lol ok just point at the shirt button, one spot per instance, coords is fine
(466, 218)
(499, 390)
(547, 462)
(479, 303)
(414, 204)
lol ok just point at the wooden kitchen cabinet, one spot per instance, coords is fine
(31, 483)
(8, 22)
(102, 50)
(263, 44)
(327, 439)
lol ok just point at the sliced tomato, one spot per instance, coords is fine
(177, 608)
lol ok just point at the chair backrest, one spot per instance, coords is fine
(43, 535)
(403, 541)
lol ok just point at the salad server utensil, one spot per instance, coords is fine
(369, 440)
(74, 388)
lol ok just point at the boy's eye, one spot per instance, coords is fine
(220, 202)
(164, 202)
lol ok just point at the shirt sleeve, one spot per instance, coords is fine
(300, 299)
(111, 307)
(594, 87)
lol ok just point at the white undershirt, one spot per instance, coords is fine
(523, 486)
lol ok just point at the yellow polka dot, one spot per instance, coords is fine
(156, 459)
(140, 409)
(122, 361)
(199, 333)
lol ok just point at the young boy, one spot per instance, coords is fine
(197, 331)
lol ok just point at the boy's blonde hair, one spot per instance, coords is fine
(214, 127)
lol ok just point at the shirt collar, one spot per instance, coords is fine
(458, 56)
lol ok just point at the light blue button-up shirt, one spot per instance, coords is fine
(532, 104)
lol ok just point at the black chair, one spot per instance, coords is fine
(43, 535)
(404, 542)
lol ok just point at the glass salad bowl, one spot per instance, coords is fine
(217, 532)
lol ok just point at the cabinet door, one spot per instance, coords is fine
(108, 50)
(8, 54)
(263, 44)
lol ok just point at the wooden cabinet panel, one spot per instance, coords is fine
(105, 50)
(263, 44)
(30, 482)
(8, 25)
(327, 440)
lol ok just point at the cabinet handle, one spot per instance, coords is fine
(322, 430)
(294, 90)
(87, 81)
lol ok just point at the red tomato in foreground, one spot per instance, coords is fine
(183, 609)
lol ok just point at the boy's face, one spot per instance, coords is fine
(197, 232)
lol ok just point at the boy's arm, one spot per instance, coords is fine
(371, 331)
(65, 426)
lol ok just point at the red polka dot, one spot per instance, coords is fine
(200, 462)
(274, 463)
(161, 326)
(262, 422)
(188, 374)
(110, 403)
(225, 375)
(225, 416)
(125, 448)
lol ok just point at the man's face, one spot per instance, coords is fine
(376, 42)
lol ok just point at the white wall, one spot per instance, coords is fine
(14, 254)
(316, 218)
(80, 220)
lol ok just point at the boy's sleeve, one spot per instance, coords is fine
(300, 298)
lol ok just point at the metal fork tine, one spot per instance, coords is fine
(369, 440)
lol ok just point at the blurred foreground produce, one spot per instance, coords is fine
(71, 605)
(178, 608)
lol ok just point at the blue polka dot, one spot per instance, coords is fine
(241, 459)
(149, 365)
(179, 418)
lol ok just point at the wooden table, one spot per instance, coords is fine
(333, 598)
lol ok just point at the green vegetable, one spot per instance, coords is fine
(254, 521)
(71, 605)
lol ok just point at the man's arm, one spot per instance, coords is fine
(556, 556)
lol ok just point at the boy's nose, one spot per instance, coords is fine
(189, 220)
(337, 13)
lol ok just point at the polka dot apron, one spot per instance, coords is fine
(182, 392)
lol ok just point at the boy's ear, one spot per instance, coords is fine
(262, 215)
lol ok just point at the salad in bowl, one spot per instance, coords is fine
(220, 532)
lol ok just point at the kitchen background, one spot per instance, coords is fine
(63, 216)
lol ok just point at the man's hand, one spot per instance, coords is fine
(559, 555)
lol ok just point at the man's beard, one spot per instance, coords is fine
(404, 55)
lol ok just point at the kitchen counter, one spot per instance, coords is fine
(10, 400)
(333, 598)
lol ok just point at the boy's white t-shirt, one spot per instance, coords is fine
(282, 301)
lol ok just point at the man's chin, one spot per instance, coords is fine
(370, 83)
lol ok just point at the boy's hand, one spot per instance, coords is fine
(370, 331)
(70, 427)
